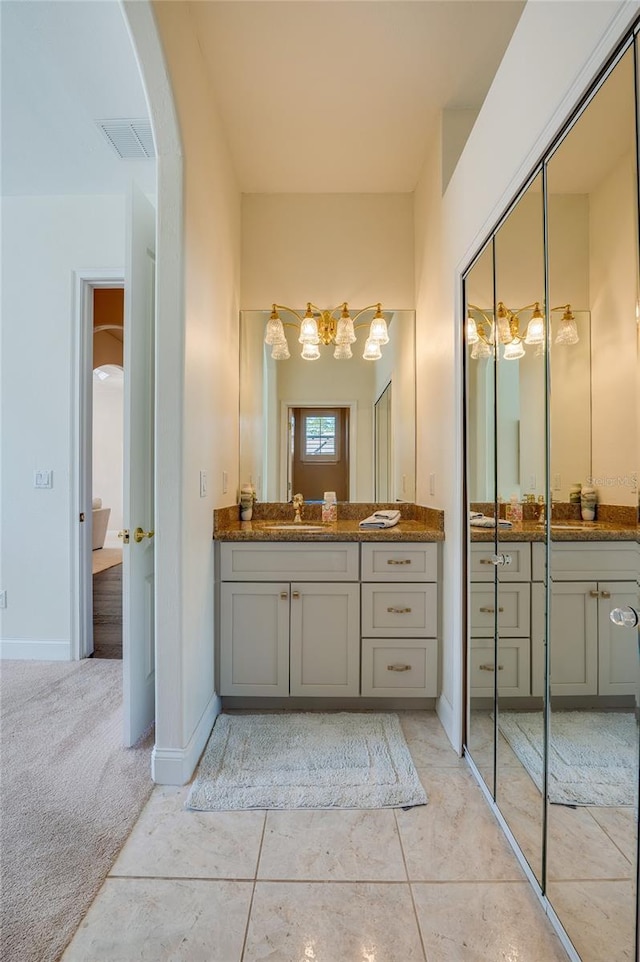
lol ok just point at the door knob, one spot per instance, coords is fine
(501, 559)
(139, 535)
(625, 617)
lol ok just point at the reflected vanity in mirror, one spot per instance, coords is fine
(552, 405)
(346, 425)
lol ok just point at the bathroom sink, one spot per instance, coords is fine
(294, 526)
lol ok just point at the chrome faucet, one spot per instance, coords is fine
(298, 501)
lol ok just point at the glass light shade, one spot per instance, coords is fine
(309, 331)
(310, 352)
(504, 328)
(481, 349)
(274, 333)
(372, 350)
(472, 331)
(280, 352)
(513, 351)
(378, 330)
(345, 333)
(342, 352)
(567, 330)
(535, 330)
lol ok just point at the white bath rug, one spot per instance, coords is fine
(306, 760)
(593, 756)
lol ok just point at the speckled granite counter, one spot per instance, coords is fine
(562, 531)
(417, 524)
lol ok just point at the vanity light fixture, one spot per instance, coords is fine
(480, 333)
(324, 327)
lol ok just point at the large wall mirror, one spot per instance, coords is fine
(552, 363)
(364, 412)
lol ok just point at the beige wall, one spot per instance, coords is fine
(210, 364)
(327, 248)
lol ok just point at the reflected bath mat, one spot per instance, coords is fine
(306, 760)
(593, 755)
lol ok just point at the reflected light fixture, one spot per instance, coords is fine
(480, 330)
(318, 327)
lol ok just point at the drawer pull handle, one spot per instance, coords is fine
(490, 611)
(284, 595)
(295, 594)
(398, 667)
(594, 593)
(393, 561)
(399, 611)
(605, 594)
(491, 667)
(486, 561)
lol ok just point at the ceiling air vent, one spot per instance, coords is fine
(131, 139)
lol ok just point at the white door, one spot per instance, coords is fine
(138, 504)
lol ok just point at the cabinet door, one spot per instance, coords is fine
(325, 639)
(574, 638)
(254, 639)
(618, 672)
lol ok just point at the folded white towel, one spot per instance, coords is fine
(476, 514)
(482, 522)
(381, 519)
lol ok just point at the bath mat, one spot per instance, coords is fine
(306, 760)
(593, 756)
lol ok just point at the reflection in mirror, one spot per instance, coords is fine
(594, 676)
(520, 457)
(481, 488)
(277, 395)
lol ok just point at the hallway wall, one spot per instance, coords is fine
(44, 239)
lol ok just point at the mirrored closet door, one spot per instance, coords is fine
(553, 443)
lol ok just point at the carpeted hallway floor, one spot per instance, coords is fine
(69, 796)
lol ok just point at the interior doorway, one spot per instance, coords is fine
(319, 452)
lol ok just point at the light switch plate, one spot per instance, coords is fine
(43, 478)
(203, 484)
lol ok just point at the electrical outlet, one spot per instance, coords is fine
(3, 599)
(225, 481)
(432, 484)
(43, 478)
(203, 484)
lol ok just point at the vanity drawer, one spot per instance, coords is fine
(400, 562)
(513, 667)
(397, 667)
(401, 610)
(333, 561)
(483, 570)
(514, 604)
(595, 561)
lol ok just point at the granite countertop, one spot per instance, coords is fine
(562, 530)
(417, 524)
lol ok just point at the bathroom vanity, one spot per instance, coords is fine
(328, 612)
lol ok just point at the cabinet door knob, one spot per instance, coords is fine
(284, 595)
(605, 594)
(594, 593)
(295, 594)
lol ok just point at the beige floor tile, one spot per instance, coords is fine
(340, 845)
(428, 744)
(521, 805)
(598, 917)
(169, 841)
(156, 920)
(455, 836)
(484, 922)
(621, 825)
(578, 848)
(332, 922)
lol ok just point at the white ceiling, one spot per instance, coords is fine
(325, 96)
(315, 95)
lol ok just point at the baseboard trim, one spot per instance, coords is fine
(53, 650)
(175, 766)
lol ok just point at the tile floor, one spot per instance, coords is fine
(437, 883)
